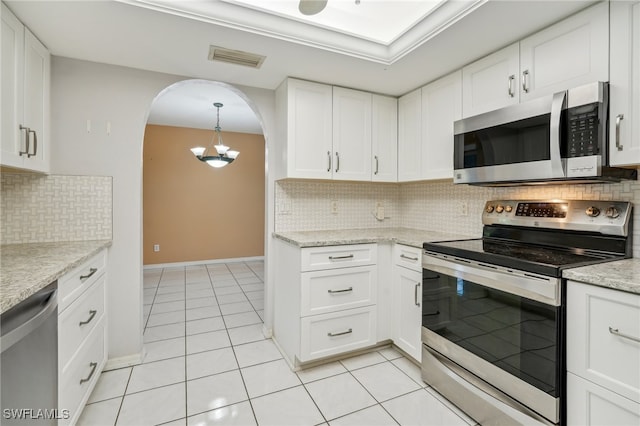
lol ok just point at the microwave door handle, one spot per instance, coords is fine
(557, 105)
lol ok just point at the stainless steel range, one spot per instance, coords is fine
(493, 316)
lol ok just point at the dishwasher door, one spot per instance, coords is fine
(29, 363)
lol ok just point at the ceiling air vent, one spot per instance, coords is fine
(235, 57)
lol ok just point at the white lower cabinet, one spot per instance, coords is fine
(82, 334)
(325, 300)
(407, 306)
(603, 356)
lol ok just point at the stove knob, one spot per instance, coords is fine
(489, 208)
(499, 209)
(508, 209)
(593, 211)
(612, 212)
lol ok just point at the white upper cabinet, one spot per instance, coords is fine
(305, 111)
(441, 106)
(351, 134)
(570, 53)
(25, 97)
(410, 136)
(384, 144)
(624, 87)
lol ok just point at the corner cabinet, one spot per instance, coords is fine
(603, 356)
(82, 334)
(624, 85)
(336, 133)
(25, 91)
(325, 300)
(410, 136)
(407, 295)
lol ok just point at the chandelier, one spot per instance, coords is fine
(225, 155)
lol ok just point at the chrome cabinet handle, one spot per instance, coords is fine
(349, 256)
(92, 313)
(35, 143)
(26, 140)
(376, 158)
(344, 290)
(93, 366)
(617, 332)
(337, 162)
(404, 256)
(525, 77)
(330, 334)
(619, 118)
(91, 272)
(415, 294)
(512, 77)
(329, 157)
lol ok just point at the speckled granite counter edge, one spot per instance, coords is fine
(622, 275)
(12, 296)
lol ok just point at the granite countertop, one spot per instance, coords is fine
(27, 268)
(407, 236)
(621, 275)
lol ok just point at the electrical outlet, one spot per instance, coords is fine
(156, 247)
(334, 207)
(464, 208)
(379, 210)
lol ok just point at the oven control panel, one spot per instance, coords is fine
(606, 217)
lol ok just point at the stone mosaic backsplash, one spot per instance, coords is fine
(52, 208)
(432, 206)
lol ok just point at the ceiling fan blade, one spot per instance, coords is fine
(311, 7)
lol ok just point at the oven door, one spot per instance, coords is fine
(492, 340)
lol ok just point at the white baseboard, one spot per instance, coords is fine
(200, 262)
(125, 361)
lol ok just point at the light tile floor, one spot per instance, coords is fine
(208, 363)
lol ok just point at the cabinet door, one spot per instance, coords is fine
(591, 405)
(384, 139)
(624, 87)
(309, 128)
(409, 136)
(441, 106)
(36, 101)
(570, 53)
(491, 82)
(12, 142)
(408, 311)
(351, 134)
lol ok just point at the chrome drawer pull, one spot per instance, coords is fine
(26, 141)
(415, 294)
(329, 157)
(91, 272)
(616, 332)
(512, 77)
(619, 118)
(341, 333)
(377, 164)
(35, 144)
(92, 313)
(415, 259)
(93, 366)
(525, 86)
(344, 290)
(349, 256)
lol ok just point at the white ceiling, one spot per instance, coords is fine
(174, 37)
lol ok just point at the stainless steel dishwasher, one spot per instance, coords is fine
(29, 363)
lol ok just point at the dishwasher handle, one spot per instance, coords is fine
(36, 314)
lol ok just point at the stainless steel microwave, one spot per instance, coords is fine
(554, 139)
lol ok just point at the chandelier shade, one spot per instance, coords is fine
(224, 154)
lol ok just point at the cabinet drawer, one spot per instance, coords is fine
(74, 283)
(316, 258)
(591, 405)
(338, 332)
(407, 256)
(77, 322)
(80, 378)
(334, 290)
(600, 337)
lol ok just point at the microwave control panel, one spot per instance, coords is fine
(583, 131)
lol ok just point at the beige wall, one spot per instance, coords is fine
(195, 212)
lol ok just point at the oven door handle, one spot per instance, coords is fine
(558, 103)
(543, 290)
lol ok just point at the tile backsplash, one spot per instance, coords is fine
(434, 206)
(49, 208)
